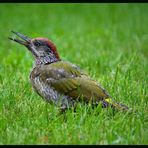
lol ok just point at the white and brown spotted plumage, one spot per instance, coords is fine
(63, 81)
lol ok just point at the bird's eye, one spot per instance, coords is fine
(37, 44)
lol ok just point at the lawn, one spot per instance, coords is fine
(108, 41)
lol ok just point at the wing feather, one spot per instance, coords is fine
(70, 80)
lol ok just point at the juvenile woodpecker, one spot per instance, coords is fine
(60, 82)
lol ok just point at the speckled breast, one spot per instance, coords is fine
(42, 88)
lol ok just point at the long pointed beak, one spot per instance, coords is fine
(26, 40)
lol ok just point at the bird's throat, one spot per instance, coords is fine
(46, 60)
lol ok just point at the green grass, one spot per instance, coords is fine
(109, 41)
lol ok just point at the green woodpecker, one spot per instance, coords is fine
(61, 82)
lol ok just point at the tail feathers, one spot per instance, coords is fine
(109, 102)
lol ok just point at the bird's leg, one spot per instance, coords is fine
(66, 103)
(63, 108)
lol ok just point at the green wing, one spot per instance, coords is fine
(68, 79)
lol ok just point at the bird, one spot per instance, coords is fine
(60, 82)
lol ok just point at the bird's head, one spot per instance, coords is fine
(42, 49)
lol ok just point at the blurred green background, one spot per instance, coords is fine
(109, 41)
